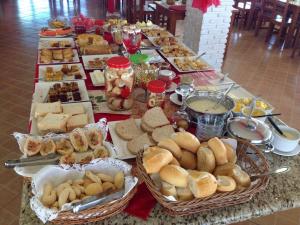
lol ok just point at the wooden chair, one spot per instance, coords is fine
(243, 7)
(296, 44)
(256, 7)
(139, 10)
(265, 14)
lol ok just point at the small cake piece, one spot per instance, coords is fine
(53, 123)
(73, 109)
(41, 109)
(76, 121)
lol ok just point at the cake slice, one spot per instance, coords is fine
(42, 109)
(53, 123)
(73, 109)
(77, 121)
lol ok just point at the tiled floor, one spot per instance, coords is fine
(266, 72)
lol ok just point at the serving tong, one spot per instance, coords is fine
(51, 159)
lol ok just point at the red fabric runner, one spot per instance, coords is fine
(204, 4)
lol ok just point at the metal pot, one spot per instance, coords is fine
(252, 130)
(228, 103)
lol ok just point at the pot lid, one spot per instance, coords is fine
(252, 130)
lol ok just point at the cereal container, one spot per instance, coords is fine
(119, 80)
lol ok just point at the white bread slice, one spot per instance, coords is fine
(53, 123)
(41, 109)
(127, 129)
(161, 133)
(155, 117)
(77, 121)
(138, 143)
(73, 109)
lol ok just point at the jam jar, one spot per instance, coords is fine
(119, 80)
(156, 93)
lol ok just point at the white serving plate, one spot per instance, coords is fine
(296, 151)
(87, 58)
(30, 171)
(75, 59)
(45, 42)
(95, 81)
(42, 71)
(34, 129)
(42, 88)
(120, 144)
(171, 60)
(154, 56)
(174, 99)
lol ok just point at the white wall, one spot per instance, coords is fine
(208, 32)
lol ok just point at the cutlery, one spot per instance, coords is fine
(275, 126)
(96, 200)
(199, 56)
(51, 159)
(282, 169)
(150, 48)
(223, 97)
(267, 115)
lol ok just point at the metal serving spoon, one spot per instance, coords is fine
(282, 169)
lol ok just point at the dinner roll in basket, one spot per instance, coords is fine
(155, 158)
(219, 150)
(170, 145)
(188, 160)
(175, 175)
(225, 184)
(186, 141)
(205, 160)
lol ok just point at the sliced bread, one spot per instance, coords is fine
(155, 117)
(161, 133)
(138, 143)
(146, 128)
(127, 129)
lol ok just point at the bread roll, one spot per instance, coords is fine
(174, 162)
(186, 141)
(202, 184)
(184, 194)
(204, 144)
(170, 145)
(155, 158)
(188, 160)
(205, 160)
(225, 170)
(175, 175)
(241, 177)
(225, 184)
(231, 155)
(219, 150)
(168, 189)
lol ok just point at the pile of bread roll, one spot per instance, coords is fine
(185, 169)
(76, 190)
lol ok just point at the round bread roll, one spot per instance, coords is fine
(231, 155)
(155, 158)
(225, 170)
(241, 177)
(219, 150)
(170, 145)
(188, 160)
(225, 184)
(205, 160)
(174, 175)
(202, 184)
(184, 194)
(204, 144)
(174, 162)
(186, 141)
(168, 189)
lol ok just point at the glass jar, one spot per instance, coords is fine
(119, 80)
(156, 93)
(132, 38)
(166, 76)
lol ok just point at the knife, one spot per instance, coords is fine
(33, 161)
(96, 200)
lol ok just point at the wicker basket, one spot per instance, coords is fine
(250, 159)
(97, 213)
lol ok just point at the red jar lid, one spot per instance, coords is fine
(156, 86)
(118, 62)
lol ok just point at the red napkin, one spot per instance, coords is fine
(177, 7)
(204, 4)
(142, 203)
(111, 6)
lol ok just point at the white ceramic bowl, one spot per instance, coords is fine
(284, 144)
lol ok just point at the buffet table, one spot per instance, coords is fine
(282, 193)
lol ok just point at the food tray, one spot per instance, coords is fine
(168, 34)
(42, 71)
(250, 159)
(87, 58)
(45, 42)
(152, 40)
(42, 88)
(34, 129)
(181, 44)
(171, 60)
(75, 59)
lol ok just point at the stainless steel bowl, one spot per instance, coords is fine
(228, 103)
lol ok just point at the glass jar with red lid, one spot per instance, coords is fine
(119, 80)
(156, 93)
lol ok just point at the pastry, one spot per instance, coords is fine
(32, 146)
(48, 147)
(94, 137)
(79, 140)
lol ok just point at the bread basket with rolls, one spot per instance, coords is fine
(59, 191)
(187, 177)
